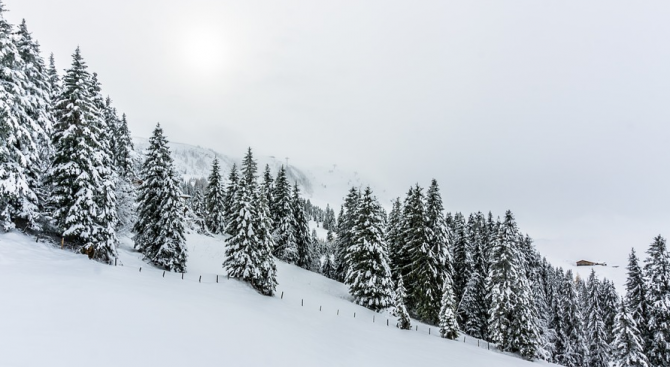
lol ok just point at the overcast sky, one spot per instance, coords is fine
(557, 110)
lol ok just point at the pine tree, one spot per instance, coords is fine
(120, 153)
(399, 309)
(423, 279)
(609, 304)
(344, 235)
(82, 188)
(215, 201)
(40, 110)
(303, 240)
(369, 275)
(393, 237)
(159, 230)
(512, 318)
(448, 322)
(230, 197)
(328, 265)
(474, 304)
(570, 344)
(268, 183)
(21, 132)
(284, 220)
(462, 255)
(627, 346)
(438, 232)
(249, 249)
(123, 148)
(657, 273)
(636, 298)
(598, 355)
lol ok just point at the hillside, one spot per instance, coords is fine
(329, 184)
(54, 301)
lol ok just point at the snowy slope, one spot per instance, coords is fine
(59, 308)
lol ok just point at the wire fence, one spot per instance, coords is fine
(373, 318)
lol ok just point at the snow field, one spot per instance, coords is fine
(59, 308)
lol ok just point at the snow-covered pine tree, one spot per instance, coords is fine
(284, 220)
(301, 235)
(249, 249)
(448, 321)
(122, 153)
(438, 232)
(473, 241)
(636, 298)
(474, 304)
(399, 309)
(328, 266)
(344, 236)
(269, 184)
(80, 176)
(462, 255)
(369, 275)
(54, 80)
(159, 230)
(609, 304)
(627, 346)
(393, 237)
(423, 279)
(106, 198)
(570, 343)
(548, 279)
(20, 134)
(598, 347)
(230, 197)
(40, 110)
(657, 273)
(512, 319)
(329, 219)
(215, 199)
(266, 282)
(533, 265)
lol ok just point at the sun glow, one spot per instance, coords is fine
(204, 50)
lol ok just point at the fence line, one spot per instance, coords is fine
(480, 343)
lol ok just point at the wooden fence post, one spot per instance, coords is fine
(200, 279)
(217, 278)
(302, 302)
(62, 242)
(354, 314)
(163, 273)
(140, 269)
(282, 294)
(182, 276)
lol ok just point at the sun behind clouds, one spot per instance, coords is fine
(204, 50)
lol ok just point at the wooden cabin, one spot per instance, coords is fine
(589, 263)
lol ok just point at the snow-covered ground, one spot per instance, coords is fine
(59, 308)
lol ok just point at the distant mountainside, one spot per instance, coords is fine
(322, 185)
